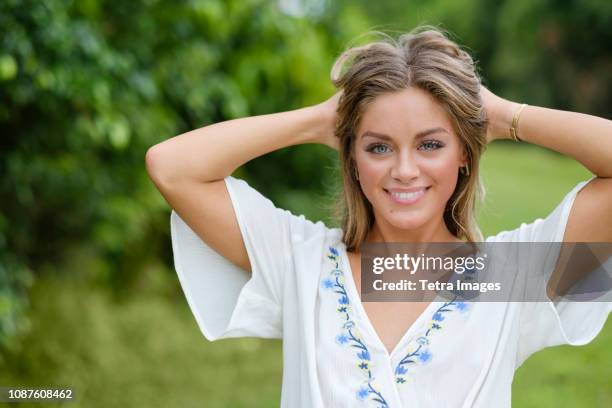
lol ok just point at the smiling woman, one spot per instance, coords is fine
(410, 123)
(419, 95)
(410, 178)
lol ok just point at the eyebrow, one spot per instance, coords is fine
(419, 135)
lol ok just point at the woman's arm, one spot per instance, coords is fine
(586, 138)
(213, 152)
(189, 169)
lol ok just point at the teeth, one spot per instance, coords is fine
(408, 196)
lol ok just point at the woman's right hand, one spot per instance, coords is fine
(327, 112)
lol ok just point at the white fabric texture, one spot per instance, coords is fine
(456, 354)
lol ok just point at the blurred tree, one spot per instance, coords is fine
(88, 86)
(553, 53)
(557, 53)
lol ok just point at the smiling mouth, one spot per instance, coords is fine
(407, 198)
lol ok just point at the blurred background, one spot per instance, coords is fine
(89, 298)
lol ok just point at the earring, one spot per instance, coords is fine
(465, 170)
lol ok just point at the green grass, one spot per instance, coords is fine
(523, 183)
(147, 351)
(143, 352)
(567, 376)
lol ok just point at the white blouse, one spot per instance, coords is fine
(456, 354)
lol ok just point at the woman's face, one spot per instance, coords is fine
(405, 141)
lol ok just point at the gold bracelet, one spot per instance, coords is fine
(515, 119)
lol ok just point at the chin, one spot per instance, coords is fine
(407, 221)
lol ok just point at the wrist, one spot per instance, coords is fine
(323, 122)
(314, 124)
(502, 120)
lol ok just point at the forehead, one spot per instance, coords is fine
(408, 110)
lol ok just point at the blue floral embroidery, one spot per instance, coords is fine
(349, 334)
(328, 283)
(419, 351)
(362, 393)
(342, 339)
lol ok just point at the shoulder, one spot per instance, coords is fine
(303, 229)
(590, 219)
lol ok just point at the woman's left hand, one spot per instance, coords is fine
(499, 113)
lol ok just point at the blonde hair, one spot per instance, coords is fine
(423, 58)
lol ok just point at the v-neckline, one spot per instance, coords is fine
(354, 295)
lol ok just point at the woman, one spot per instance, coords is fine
(410, 123)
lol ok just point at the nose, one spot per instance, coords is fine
(405, 168)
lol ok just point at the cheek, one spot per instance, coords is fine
(372, 169)
(442, 160)
(444, 169)
(445, 173)
(370, 175)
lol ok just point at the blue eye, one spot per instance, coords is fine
(428, 145)
(436, 145)
(375, 146)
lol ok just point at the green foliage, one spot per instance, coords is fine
(551, 53)
(88, 86)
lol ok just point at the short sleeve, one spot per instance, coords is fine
(226, 300)
(547, 323)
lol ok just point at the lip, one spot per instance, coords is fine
(406, 190)
(409, 201)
